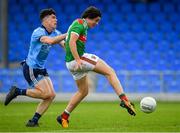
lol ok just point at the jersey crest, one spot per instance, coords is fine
(81, 21)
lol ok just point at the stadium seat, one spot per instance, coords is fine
(174, 18)
(171, 84)
(167, 27)
(160, 18)
(123, 27)
(109, 28)
(140, 56)
(131, 18)
(119, 46)
(136, 27)
(127, 36)
(103, 85)
(140, 8)
(177, 27)
(168, 8)
(112, 8)
(155, 8)
(145, 18)
(151, 27)
(127, 8)
(149, 46)
(68, 85)
(117, 18)
(157, 36)
(172, 37)
(133, 46)
(163, 46)
(125, 57)
(140, 37)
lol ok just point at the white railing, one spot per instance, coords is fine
(163, 94)
(160, 74)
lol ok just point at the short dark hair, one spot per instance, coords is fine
(46, 12)
(91, 12)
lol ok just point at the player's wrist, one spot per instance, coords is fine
(77, 59)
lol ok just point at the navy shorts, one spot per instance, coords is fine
(33, 76)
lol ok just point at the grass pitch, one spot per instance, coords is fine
(92, 117)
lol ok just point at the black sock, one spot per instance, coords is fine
(21, 91)
(36, 117)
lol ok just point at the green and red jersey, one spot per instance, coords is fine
(79, 27)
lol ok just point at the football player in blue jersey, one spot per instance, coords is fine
(34, 72)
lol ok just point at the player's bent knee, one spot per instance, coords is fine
(53, 95)
(84, 92)
(49, 96)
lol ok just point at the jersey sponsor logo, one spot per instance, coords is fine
(82, 38)
(81, 21)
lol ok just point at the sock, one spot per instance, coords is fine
(65, 115)
(21, 91)
(36, 117)
(122, 96)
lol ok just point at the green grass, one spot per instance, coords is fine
(92, 117)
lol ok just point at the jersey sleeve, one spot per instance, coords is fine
(37, 34)
(77, 29)
(58, 32)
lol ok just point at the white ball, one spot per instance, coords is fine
(148, 104)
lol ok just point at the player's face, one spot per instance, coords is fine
(93, 22)
(52, 21)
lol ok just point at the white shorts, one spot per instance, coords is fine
(89, 63)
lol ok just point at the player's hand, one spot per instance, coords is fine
(78, 65)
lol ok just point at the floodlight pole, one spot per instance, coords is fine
(4, 32)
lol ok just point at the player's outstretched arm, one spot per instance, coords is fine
(62, 44)
(53, 40)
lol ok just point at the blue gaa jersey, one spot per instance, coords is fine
(39, 51)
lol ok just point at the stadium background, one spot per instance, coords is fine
(140, 39)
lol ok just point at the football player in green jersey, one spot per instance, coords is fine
(80, 63)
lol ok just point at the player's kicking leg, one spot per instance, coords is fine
(42, 90)
(92, 63)
(104, 69)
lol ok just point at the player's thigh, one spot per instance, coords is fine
(49, 81)
(43, 86)
(102, 67)
(82, 84)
